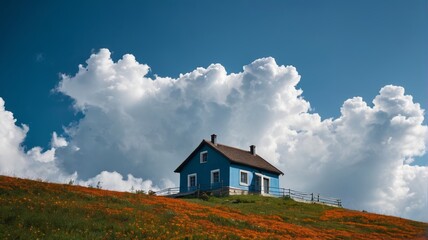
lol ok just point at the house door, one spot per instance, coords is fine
(258, 184)
(266, 185)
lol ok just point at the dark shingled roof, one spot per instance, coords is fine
(237, 156)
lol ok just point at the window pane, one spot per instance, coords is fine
(192, 181)
(204, 157)
(216, 177)
(244, 177)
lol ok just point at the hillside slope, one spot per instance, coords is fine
(33, 209)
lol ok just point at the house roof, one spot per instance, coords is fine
(235, 155)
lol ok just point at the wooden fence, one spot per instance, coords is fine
(275, 192)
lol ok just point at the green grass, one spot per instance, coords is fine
(288, 209)
(38, 210)
(298, 213)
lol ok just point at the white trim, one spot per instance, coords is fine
(188, 179)
(200, 156)
(248, 178)
(212, 178)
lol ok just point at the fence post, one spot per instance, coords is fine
(312, 197)
(289, 192)
(318, 198)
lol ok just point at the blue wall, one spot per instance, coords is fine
(235, 177)
(203, 170)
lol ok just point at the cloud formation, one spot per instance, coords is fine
(146, 127)
(364, 155)
(39, 164)
(31, 164)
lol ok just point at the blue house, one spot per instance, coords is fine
(218, 168)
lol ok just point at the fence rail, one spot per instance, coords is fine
(168, 191)
(307, 197)
(271, 191)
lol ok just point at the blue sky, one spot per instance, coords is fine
(341, 50)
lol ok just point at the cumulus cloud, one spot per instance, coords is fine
(115, 181)
(148, 126)
(363, 156)
(39, 164)
(35, 163)
(37, 154)
(134, 125)
(11, 136)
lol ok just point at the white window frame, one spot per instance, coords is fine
(188, 179)
(201, 158)
(212, 175)
(248, 178)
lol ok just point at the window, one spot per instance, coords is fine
(215, 176)
(191, 180)
(204, 157)
(244, 177)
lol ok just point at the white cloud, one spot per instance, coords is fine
(37, 154)
(362, 156)
(146, 127)
(11, 136)
(57, 142)
(39, 164)
(14, 161)
(115, 181)
(150, 134)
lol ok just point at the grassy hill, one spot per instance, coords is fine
(38, 210)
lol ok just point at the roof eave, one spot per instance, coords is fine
(279, 172)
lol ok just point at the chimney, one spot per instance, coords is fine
(253, 150)
(214, 139)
